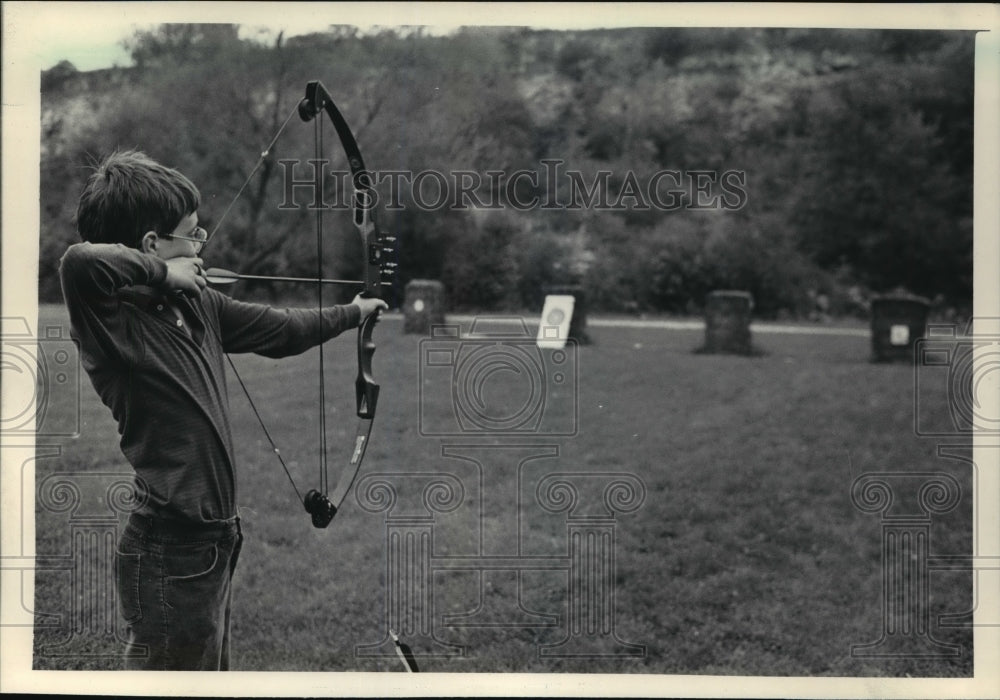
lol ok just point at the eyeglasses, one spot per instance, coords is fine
(199, 236)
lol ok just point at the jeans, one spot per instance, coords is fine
(174, 590)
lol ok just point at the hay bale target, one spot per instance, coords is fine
(898, 321)
(727, 323)
(423, 307)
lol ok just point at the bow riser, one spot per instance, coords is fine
(366, 390)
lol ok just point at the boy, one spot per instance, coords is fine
(152, 339)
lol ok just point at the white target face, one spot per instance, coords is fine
(553, 330)
(899, 335)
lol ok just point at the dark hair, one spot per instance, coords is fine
(130, 194)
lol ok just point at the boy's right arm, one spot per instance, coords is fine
(91, 273)
(95, 271)
(102, 269)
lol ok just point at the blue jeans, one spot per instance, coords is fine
(174, 592)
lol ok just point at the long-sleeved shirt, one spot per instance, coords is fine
(156, 360)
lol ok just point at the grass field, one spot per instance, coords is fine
(747, 555)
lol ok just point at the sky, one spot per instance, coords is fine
(89, 35)
(91, 51)
(99, 43)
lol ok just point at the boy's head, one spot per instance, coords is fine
(131, 194)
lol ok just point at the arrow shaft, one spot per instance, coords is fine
(219, 276)
(270, 278)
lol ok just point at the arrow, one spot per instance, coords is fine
(404, 653)
(216, 275)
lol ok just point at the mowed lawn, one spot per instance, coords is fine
(746, 555)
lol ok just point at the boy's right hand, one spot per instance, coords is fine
(185, 275)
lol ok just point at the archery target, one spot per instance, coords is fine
(553, 329)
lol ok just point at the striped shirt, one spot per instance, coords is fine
(156, 360)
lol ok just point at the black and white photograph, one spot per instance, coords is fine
(525, 349)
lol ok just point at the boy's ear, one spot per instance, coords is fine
(148, 242)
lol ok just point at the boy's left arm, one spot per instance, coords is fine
(275, 332)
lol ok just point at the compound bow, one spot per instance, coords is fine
(321, 504)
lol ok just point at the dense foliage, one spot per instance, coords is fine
(848, 153)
